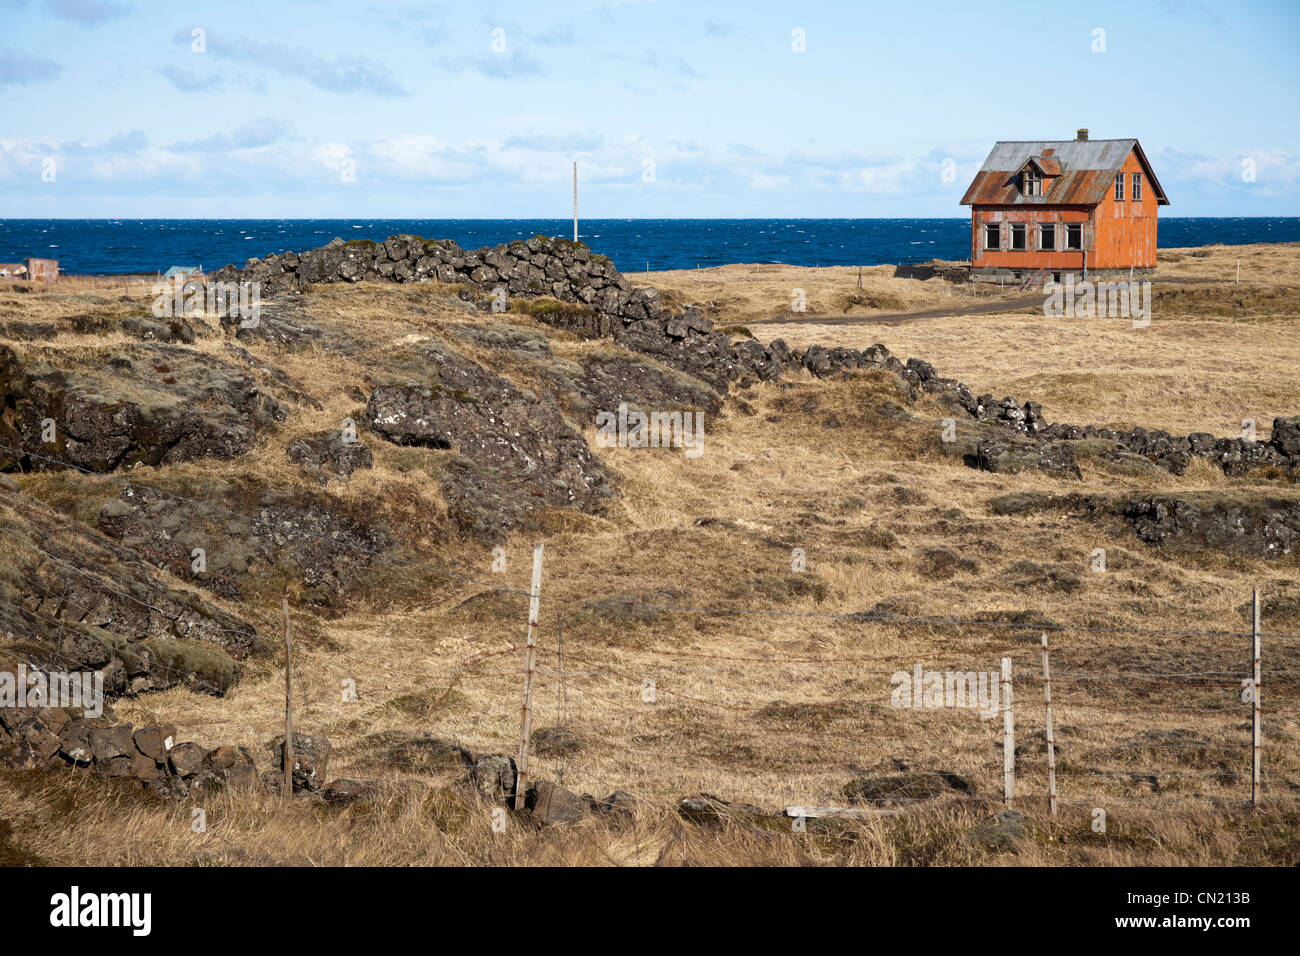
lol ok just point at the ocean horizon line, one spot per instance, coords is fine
(116, 246)
(581, 220)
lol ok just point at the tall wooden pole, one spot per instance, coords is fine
(530, 667)
(1050, 736)
(1008, 736)
(288, 701)
(575, 200)
(1255, 730)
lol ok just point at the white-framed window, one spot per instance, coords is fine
(1119, 187)
(992, 235)
(1047, 236)
(1019, 233)
(1137, 187)
(1074, 237)
(1031, 182)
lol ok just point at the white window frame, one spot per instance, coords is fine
(1048, 225)
(1136, 190)
(1024, 232)
(987, 227)
(1068, 227)
(1119, 187)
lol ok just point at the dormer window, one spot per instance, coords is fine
(1031, 182)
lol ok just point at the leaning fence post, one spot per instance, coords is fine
(1254, 723)
(288, 702)
(1008, 736)
(1050, 736)
(530, 666)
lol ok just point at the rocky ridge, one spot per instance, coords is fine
(605, 304)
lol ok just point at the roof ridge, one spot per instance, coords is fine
(1117, 139)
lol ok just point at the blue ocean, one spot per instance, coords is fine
(115, 246)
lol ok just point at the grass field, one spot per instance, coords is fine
(789, 702)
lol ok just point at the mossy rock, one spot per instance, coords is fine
(209, 668)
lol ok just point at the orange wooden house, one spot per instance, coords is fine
(1050, 209)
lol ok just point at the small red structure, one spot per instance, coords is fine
(1078, 207)
(42, 270)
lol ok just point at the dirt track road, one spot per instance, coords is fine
(895, 318)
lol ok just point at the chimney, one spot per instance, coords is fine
(1082, 135)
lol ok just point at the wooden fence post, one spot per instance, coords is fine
(1008, 736)
(1050, 736)
(288, 701)
(1254, 723)
(530, 666)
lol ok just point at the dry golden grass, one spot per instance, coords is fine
(785, 707)
(77, 820)
(1221, 352)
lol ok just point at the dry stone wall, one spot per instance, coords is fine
(604, 303)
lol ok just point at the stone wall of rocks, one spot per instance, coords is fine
(154, 757)
(605, 304)
(601, 302)
(1235, 456)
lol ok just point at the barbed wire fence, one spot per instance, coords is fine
(667, 696)
(1216, 758)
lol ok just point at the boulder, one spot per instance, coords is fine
(156, 741)
(147, 770)
(494, 776)
(550, 804)
(186, 759)
(75, 742)
(109, 742)
(311, 757)
(1286, 436)
(33, 744)
(233, 766)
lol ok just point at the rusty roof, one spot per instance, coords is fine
(1085, 170)
(1047, 164)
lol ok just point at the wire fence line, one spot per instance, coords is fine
(669, 664)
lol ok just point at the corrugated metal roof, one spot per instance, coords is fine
(1047, 164)
(1072, 153)
(1087, 170)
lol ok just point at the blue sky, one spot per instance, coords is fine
(358, 108)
